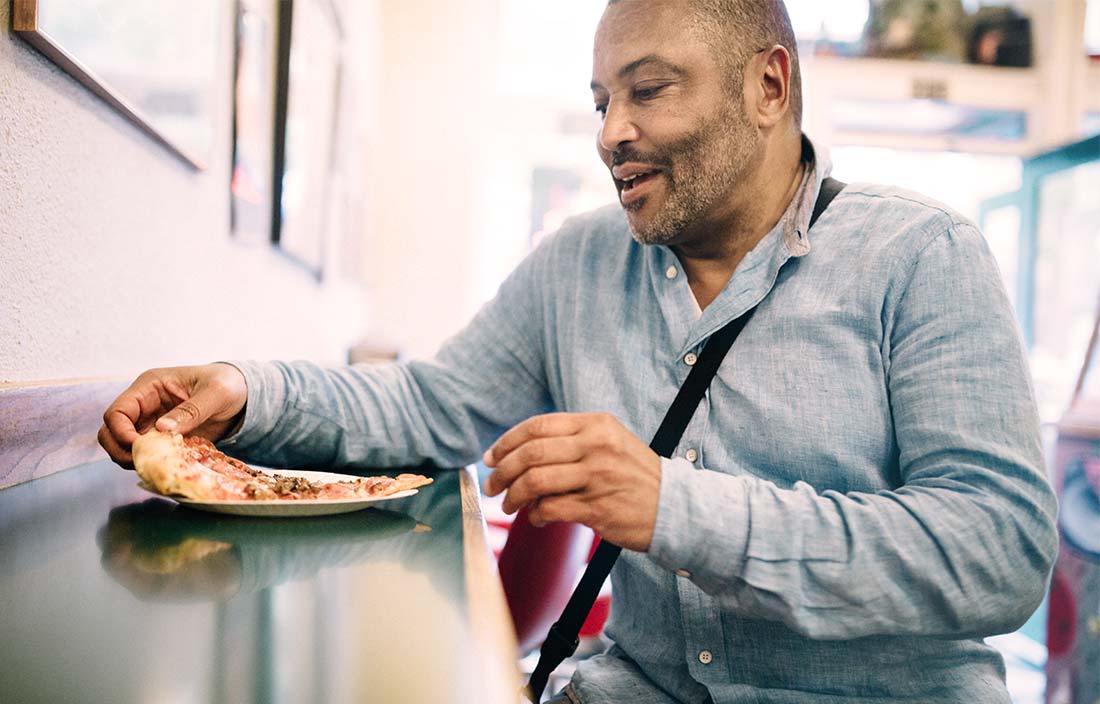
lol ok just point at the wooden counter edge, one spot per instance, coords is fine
(490, 620)
(50, 427)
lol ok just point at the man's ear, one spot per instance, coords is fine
(770, 73)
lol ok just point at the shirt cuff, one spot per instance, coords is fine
(703, 520)
(265, 405)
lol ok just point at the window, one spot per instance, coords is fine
(1067, 282)
(1092, 28)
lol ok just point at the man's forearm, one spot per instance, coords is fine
(299, 414)
(929, 559)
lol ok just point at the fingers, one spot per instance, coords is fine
(123, 415)
(537, 452)
(116, 452)
(544, 426)
(128, 416)
(214, 395)
(586, 468)
(134, 412)
(565, 508)
(191, 396)
(542, 482)
(209, 397)
(186, 416)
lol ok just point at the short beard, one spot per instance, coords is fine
(705, 164)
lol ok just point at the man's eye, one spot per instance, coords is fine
(602, 110)
(648, 92)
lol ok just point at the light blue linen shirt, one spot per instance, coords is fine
(858, 500)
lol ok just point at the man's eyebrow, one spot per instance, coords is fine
(648, 60)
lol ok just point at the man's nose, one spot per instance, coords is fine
(618, 128)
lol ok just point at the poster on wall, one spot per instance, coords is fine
(254, 91)
(156, 63)
(310, 39)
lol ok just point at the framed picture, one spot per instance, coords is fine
(307, 103)
(254, 93)
(154, 62)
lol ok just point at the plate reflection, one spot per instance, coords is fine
(161, 551)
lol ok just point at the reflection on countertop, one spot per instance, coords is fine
(109, 595)
(162, 551)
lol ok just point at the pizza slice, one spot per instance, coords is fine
(194, 469)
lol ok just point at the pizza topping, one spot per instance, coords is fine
(258, 491)
(293, 485)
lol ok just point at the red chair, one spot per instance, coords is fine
(539, 568)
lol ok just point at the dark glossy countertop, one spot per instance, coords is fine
(108, 594)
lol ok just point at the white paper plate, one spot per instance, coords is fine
(289, 508)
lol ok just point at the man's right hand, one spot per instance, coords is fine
(206, 401)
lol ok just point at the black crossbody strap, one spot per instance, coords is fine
(562, 640)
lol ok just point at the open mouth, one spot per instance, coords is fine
(636, 180)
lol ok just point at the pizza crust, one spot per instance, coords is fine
(162, 461)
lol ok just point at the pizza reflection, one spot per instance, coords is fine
(161, 551)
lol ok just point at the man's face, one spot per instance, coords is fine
(675, 133)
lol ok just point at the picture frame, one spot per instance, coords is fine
(255, 88)
(154, 63)
(306, 120)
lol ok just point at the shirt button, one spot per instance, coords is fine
(690, 359)
(705, 657)
(670, 273)
(682, 573)
(692, 455)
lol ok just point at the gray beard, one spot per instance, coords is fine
(688, 200)
(671, 220)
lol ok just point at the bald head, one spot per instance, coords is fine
(736, 29)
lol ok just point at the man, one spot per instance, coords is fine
(859, 499)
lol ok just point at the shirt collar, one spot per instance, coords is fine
(795, 222)
(757, 272)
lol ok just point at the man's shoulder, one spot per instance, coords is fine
(897, 220)
(905, 207)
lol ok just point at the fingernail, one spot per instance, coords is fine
(487, 457)
(167, 424)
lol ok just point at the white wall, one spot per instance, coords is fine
(115, 256)
(109, 245)
(428, 156)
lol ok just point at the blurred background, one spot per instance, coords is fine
(183, 182)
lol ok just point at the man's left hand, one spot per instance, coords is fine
(579, 467)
